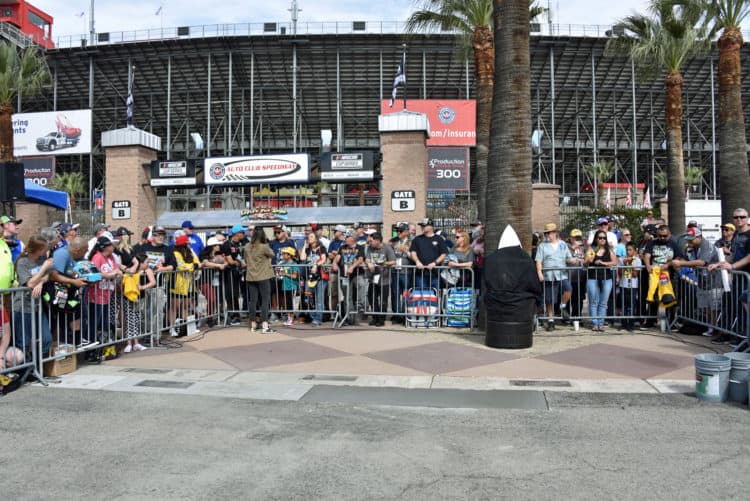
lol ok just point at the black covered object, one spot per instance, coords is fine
(511, 287)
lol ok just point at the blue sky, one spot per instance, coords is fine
(119, 15)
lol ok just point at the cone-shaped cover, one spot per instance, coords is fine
(509, 238)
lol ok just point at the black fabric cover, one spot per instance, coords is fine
(511, 286)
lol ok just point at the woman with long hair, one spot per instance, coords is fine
(213, 262)
(182, 286)
(461, 258)
(258, 255)
(99, 293)
(32, 270)
(315, 256)
(600, 261)
(143, 279)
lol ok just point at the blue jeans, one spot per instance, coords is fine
(320, 299)
(425, 279)
(598, 291)
(399, 284)
(22, 322)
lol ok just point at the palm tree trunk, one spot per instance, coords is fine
(484, 67)
(509, 162)
(734, 179)
(676, 170)
(6, 133)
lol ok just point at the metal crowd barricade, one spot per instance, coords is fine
(625, 303)
(716, 301)
(19, 334)
(308, 294)
(183, 302)
(443, 296)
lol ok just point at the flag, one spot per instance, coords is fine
(158, 11)
(687, 193)
(629, 198)
(129, 102)
(706, 195)
(608, 199)
(400, 79)
(647, 199)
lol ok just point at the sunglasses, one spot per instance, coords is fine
(739, 217)
(601, 238)
(626, 234)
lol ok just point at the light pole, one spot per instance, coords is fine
(92, 32)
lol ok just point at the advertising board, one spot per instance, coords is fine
(39, 170)
(448, 169)
(287, 168)
(453, 122)
(346, 166)
(52, 133)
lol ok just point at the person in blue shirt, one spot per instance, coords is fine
(196, 243)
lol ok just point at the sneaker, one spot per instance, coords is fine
(253, 328)
(709, 333)
(234, 321)
(550, 325)
(289, 321)
(274, 318)
(127, 349)
(315, 323)
(565, 313)
(139, 347)
(373, 321)
(268, 330)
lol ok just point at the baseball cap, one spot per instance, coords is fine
(602, 220)
(693, 233)
(426, 222)
(122, 231)
(100, 226)
(10, 219)
(402, 227)
(187, 224)
(110, 236)
(66, 227)
(692, 223)
(729, 226)
(314, 226)
(370, 231)
(576, 233)
(357, 225)
(182, 240)
(104, 241)
(213, 241)
(340, 227)
(159, 229)
(237, 228)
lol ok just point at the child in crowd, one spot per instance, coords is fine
(627, 278)
(138, 278)
(289, 283)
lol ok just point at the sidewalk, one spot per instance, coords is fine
(450, 357)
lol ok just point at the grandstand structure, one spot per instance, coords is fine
(271, 87)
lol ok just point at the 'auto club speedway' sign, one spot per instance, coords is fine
(287, 168)
(453, 122)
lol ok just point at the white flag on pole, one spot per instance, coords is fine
(608, 200)
(399, 79)
(647, 199)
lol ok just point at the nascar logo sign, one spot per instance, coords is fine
(266, 169)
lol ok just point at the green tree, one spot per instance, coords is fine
(71, 183)
(509, 186)
(21, 72)
(472, 19)
(734, 180)
(661, 44)
(599, 172)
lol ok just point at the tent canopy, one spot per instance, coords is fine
(295, 217)
(40, 195)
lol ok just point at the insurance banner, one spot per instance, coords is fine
(453, 122)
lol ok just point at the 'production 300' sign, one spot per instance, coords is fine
(448, 169)
(265, 169)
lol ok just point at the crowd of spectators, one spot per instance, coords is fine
(637, 281)
(113, 288)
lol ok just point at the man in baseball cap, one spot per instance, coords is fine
(196, 243)
(99, 229)
(9, 224)
(69, 231)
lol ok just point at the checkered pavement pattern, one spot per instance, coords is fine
(402, 352)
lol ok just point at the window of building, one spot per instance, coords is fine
(6, 12)
(37, 20)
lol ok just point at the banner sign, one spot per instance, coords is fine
(290, 168)
(40, 170)
(348, 166)
(263, 214)
(181, 173)
(448, 169)
(52, 133)
(453, 122)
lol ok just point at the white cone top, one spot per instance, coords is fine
(509, 238)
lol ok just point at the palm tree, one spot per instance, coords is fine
(71, 183)
(599, 172)
(23, 73)
(734, 180)
(662, 43)
(472, 19)
(509, 187)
